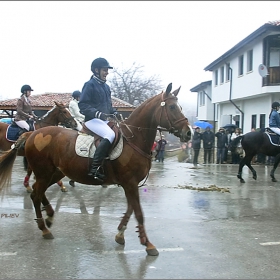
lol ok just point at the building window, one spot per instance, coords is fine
(222, 74)
(240, 65)
(274, 58)
(254, 121)
(227, 72)
(262, 120)
(216, 77)
(201, 98)
(250, 61)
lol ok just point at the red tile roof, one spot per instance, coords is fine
(47, 100)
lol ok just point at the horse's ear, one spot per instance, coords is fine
(55, 103)
(175, 92)
(168, 89)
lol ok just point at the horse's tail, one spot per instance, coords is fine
(7, 160)
(25, 164)
(233, 144)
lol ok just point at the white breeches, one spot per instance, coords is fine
(101, 128)
(275, 129)
(22, 124)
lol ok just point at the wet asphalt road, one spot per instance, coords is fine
(199, 234)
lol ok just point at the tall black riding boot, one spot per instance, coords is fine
(101, 152)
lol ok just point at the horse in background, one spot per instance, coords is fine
(59, 114)
(254, 143)
(51, 152)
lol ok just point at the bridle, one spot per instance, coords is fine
(171, 128)
(65, 120)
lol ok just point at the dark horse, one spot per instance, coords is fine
(256, 143)
(51, 153)
(59, 114)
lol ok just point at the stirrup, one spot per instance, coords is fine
(96, 175)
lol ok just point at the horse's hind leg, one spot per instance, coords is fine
(276, 162)
(37, 197)
(132, 196)
(49, 211)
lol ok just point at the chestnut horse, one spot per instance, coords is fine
(51, 153)
(59, 114)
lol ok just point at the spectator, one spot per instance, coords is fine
(161, 149)
(239, 149)
(222, 142)
(196, 142)
(75, 110)
(208, 138)
(226, 148)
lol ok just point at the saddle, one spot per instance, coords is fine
(273, 137)
(87, 142)
(14, 131)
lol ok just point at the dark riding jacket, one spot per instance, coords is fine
(274, 119)
(95, 99)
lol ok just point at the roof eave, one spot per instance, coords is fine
(260, 31)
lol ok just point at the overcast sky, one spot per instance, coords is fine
(50, 45)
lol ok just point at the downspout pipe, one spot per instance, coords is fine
(214, 108)
(230, 90)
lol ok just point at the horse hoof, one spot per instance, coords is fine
(273, 180)
(72, 183)
(48, 235)
(29, 189)
(242, 181)
(152, 252)
(63, 189)
(120, 240)
(255, 177)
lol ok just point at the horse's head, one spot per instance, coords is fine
(64, 116)
(172, 117)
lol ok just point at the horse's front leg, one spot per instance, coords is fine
(62, 187)
(119, 238)
(248, 160)
(132, 195)
(276, 162)
(37, 197)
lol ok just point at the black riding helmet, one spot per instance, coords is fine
(100, 63)
(26, 88)
(76, 94)
(275, 104)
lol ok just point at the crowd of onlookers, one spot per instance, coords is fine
(216, 148)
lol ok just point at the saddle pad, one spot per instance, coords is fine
(12, 133)
(85, 147)
(273, 138)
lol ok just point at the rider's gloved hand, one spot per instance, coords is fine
(101, 116)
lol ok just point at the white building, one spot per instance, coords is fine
(245, 82)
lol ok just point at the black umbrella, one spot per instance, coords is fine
(231, 127)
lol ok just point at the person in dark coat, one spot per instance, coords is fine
(96, 105)
(196, 144)
(208, 138)
(222, 143)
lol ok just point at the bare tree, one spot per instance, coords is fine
(131, 86)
